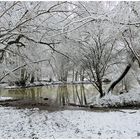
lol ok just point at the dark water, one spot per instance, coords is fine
(59, 95)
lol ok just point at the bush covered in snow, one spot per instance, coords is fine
(130, 99)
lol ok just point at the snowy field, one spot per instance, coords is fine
(34, 123)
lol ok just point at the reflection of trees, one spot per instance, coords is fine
(79, 95)
(66, 94)
(18, 93)
(26, 93)
(33, 93)
(62, 95)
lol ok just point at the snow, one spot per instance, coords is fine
(5, 98)
(3, 85)
(130, 98)
(11, 87)
(35, 123)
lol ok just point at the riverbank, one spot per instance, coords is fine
(35, 123)
(128, 99)
(41, 83)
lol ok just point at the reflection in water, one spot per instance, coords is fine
(25, 93)
(59, 95)
(77, 96)
(62, 97)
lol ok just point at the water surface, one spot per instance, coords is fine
(59, 95)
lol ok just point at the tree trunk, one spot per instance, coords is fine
(99, 84)
(73, 74)
(76, 76)
(32, 78)
(121, 76)
(100, 88)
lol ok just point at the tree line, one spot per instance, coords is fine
(96, 41)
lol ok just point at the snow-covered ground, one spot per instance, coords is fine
(5, 98)
(27, 123)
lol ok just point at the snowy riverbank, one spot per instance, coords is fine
(130, 99)
(41, 83)
(34, 123)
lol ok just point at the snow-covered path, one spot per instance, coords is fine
(20, 123)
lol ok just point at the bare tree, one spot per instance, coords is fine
(96, 57)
